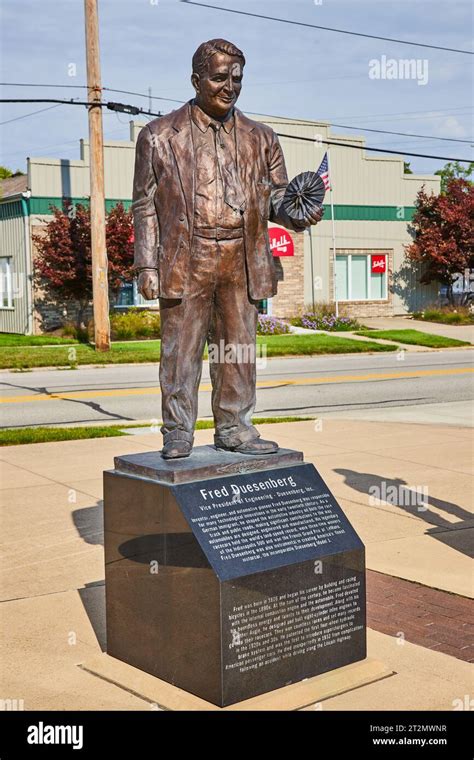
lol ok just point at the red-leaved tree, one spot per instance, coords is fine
(442, 226)
(63, 264)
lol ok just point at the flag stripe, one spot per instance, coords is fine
(323, 172)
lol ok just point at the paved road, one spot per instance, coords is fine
(326, 386)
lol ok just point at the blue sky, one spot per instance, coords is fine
(291, 71)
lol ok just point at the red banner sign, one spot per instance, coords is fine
(281, 243)
(379, 263)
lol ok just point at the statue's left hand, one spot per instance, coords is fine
(313, 217)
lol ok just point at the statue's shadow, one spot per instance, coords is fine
(433, 511)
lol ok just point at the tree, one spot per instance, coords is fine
(119, 233)
(6, 173)
(63, 265)
(442, 228)
(454, 170)
(406, 168)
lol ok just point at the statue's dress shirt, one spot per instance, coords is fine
(219, 199)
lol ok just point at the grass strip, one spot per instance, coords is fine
(19, 436)
(21, 357)
(414, 337)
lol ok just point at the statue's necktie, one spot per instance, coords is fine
(233, 193)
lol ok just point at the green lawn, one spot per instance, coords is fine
(28, 357)
(18, 436)
(293, 345)
(414, 337)
(11, 339)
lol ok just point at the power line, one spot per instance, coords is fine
(326, 28)
(174, 100)
(107, 134)
(142, 95)
(342, 126)
(110, 105)
(440, 112)
(84, 87)
(136, 110)
(50, 100)
(378, 150)
(36, 84)
(25, 115)
(388, 132)
(291, 121)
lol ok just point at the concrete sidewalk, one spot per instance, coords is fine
(53, 593)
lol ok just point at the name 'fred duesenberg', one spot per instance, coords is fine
(237, 490)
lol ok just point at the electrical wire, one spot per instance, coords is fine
(326, 28)
(293, 137)
(32, 113)
(294, 122)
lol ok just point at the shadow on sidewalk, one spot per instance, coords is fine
(416, 501)
(89, 523)
(93, 599)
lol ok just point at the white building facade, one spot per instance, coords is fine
(373, 205)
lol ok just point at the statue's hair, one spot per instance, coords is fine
(207, 49)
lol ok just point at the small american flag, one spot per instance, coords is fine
(323, 172)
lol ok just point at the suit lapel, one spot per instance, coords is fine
(182, 147)
(247, 150)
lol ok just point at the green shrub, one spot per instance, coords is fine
(70, 330)
(135, 324)
(447, 315)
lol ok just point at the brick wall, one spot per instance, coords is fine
(290, 274)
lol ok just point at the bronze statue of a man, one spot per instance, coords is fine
(207, 181)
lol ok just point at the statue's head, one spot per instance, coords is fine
(218, 68)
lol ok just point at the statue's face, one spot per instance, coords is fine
(218, 88)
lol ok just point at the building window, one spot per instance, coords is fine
(361, 277)
(6, 286)
(129, 296)
(125, 295)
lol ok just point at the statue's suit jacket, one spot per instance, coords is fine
(163, 200)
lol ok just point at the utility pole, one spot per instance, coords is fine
(100, 290)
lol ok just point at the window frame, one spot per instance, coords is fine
(9, 283)
(349, 298)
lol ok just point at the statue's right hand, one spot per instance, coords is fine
(148, 285)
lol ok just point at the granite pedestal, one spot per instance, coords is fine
(230, 575)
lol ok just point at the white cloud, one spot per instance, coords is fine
(450, 127)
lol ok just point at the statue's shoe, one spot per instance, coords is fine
(175, 449)
(256, 446)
